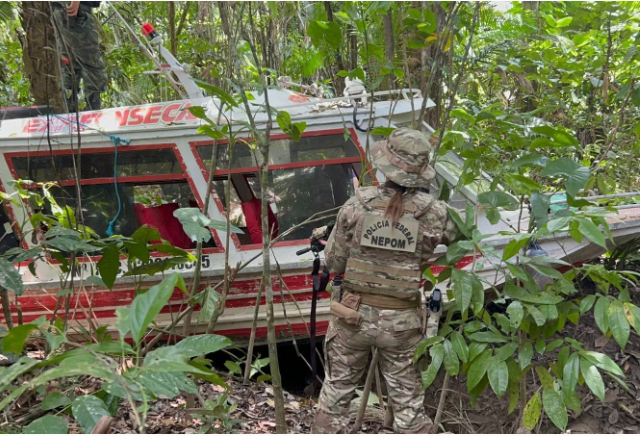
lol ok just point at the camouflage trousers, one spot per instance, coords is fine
(395, 333)
(79, 43)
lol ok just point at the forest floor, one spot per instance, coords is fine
(254, 412)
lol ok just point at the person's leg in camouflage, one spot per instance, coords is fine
(347, 350)
(402, 376)
(82, 39)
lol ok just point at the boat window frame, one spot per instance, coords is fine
(276, 167)
(185, 176)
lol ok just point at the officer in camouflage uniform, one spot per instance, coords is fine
(79, 46)
(381, 242)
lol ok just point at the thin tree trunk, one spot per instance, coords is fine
(39, 54)
(171, 12)
(389, 44)
(6, 307)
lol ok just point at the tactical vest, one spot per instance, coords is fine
(384, 259)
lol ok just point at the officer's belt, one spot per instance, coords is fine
(383, 301)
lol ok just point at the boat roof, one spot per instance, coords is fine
(175, 114)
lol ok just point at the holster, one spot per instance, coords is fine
(349, 315)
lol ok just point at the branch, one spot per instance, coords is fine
(459, 78)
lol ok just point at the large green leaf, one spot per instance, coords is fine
(601, 314)
(498, 373)
(7, 375)
(48, 424)
(618, 323)
(593, 378)
(203, 344)
(464, 285)
(208, 302)
(516, 314)
(516, 292)
(109, 264)
(576, 175)
(587, 303)
(592, 232)
(437, 356)
(16, 339)
(460, 346)
(506, 351)
(602, 361)
(147, 306)
(195, 222)
(560, 138)
(54, 400)
(72, 245)
(324, 32)
(525, 354)
(167, 384)
(88, 409)
(478, 369)
(10, 278)
(554, 408)
(451, 363)
(426, 343)
(571, 372)
(489, 337)
(496, 199)
(532, 412)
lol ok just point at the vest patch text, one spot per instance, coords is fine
(379, 232)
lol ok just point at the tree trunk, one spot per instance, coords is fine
(171, 12)
(40, 57)
(389, 46)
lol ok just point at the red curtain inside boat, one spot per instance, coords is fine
(161, 217)
(253, 216)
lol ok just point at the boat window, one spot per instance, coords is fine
(296, 193)
(151, 186)
(8, 237)
(97, 165)
(283, 151)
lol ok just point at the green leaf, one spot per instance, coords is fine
(203, 344)
(54, 400)
(531, 160)
(576, 175)
(211, 299)
(498, 373)
(536, 314)
(475, 349)
(147, 306)
(426, 343)
(233, 367)
(532, 412)
(88, 409)
(506, 351)
(10, 278)
(109, 264)
(146, 234)
(167, 384)
(123, 323)
(451, 364)
(592, 232)
(601, 314)
(513, 248)
(72, 245)
(603, 362)
(464, 285)
(525, 354)
(554, 408)
(540, 208)
(498, 199)
(618, 323)
(151, 268)
(478, 369)
(564, 22)
(514, 397)
(460, 346)
(313, 64)
(15, 340)
(593, 378)
(489, 337)
(324, 32)
(195, 222)
(437, 356)
(587, 303)
(546, 380)
(516, 314)
(48, 424)
(383, 131)
(7, 375)
(521, 294)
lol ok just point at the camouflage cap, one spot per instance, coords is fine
(404, 158)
